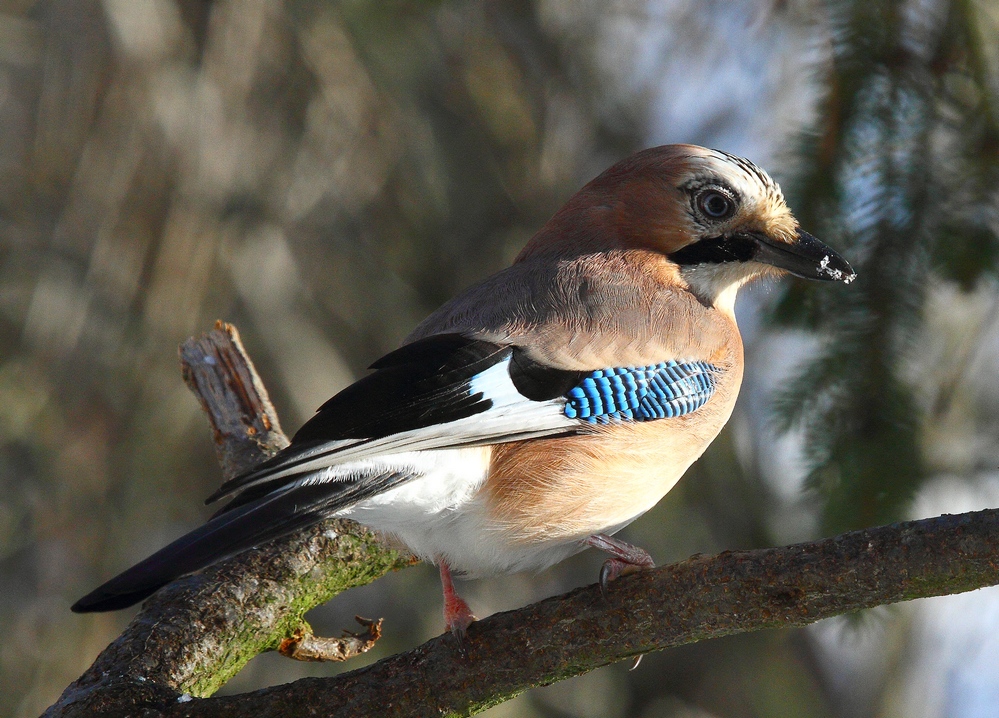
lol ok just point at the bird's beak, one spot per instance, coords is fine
(806, 257)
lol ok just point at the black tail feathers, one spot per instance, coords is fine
(224, 535)
(239, 526)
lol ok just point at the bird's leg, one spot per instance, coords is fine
(625, 558)
(457, 615)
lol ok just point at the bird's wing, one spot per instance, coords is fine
(451, 391)
(444, 391)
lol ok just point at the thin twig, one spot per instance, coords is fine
(303, 645)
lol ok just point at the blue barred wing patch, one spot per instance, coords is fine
(643, 393)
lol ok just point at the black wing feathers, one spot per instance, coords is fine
(420, 384)
(540, 382)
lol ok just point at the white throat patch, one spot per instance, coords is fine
(718, 284)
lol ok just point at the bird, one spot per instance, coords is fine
(545, 408)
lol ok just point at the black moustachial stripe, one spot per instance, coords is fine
(717, 250)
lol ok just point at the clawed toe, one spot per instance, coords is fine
(610, 570)
(626, 558)
(458, 617)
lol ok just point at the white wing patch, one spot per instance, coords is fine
(512, 417)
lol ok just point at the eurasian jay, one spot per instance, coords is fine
(547, 407)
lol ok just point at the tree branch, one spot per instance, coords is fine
(703, 597)
(196, 633)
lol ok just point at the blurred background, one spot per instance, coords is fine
(324, 174)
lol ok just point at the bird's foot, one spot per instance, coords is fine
(457, 615)
(625, 558)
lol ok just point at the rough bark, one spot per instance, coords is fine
(194, 635)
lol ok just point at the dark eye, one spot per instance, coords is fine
(715, 204)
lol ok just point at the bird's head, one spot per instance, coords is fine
(720, 219)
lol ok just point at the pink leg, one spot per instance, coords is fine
(625, 558)
(457, 615)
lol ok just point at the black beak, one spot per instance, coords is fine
(807, 258)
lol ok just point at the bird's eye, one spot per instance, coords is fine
(715, 204)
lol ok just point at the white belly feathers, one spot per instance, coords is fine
(439, 515)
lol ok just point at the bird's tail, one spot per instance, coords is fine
(227, 533)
